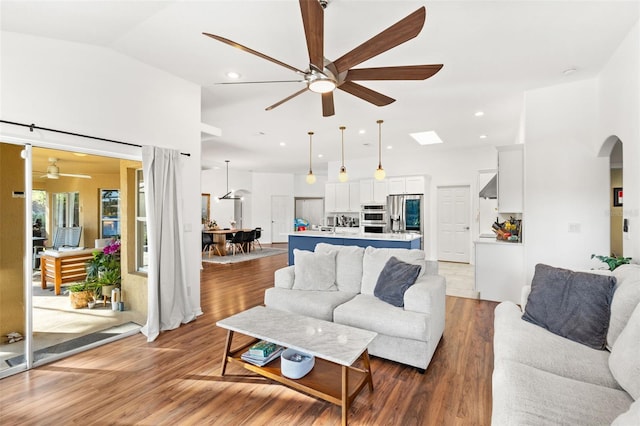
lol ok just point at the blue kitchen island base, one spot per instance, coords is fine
(307, 240)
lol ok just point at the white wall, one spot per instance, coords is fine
(266, 185)
(214, 182)
(565, 181)
(96, 91)
(619, 100)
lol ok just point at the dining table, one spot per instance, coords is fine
(220, 239)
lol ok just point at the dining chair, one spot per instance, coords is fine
(237, 241)
(207, 242)
(258, 235)
(249, 239)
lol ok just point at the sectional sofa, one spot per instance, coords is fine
(543, 378)
(337, 283)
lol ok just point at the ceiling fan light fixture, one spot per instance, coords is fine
(321, 83)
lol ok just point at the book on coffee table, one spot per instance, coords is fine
(262, 360)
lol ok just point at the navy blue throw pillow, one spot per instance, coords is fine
(396, 277)
(574, 305)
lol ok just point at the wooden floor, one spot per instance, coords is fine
(175, 380)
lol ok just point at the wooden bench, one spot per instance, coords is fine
(59, 267)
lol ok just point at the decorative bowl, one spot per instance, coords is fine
(295, 364)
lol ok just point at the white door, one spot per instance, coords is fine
(454, 217)
(281, 218)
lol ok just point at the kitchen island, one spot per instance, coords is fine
(307, 240)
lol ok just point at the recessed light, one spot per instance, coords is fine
(362, 131)
(80, 154)
(320, 155)
(483, 136)
(426, 138)
(283, 144)
(234, 75)
(479, 113)
(389, 147)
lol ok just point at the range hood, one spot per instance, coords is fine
(490, 190)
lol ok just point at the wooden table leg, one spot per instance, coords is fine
(345, 394)
(43, 273)
(367, 366)
(57, 276)
(227, 350)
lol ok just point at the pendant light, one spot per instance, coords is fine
(380, 173)
(343, 177)
(311, 178)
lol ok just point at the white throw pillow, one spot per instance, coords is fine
(625, 298)
(314, 271)
(624, 361)
(375, 259)
(348, 265)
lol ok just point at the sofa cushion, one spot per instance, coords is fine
(316, 304)
(630, 417)
(348, 265)
(526, 343)
(575, 305)
(375, 259)
(314, 271)
(368, 312)
(625, 356)
(626, 297)
(524, 395)
(396, 277)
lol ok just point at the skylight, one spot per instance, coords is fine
(426, 138)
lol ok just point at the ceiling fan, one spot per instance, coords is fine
(324, 76)
(53, 171)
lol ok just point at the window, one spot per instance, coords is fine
(142, 255)
(66, 210)
(109, 213)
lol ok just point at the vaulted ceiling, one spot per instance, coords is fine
(492, 51)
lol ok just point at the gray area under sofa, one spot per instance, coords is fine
(408, 334)
(541, 378)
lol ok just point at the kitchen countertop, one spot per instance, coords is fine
(359, 235)
(494, 241)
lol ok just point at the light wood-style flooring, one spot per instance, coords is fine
(175, 380)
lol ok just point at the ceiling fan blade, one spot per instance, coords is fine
(398, 33)
(366, 94)
(313, 21)
(253, 52)
(277, 104)
(327, 104)
(409, 72)
(75, 175)
(260, 82)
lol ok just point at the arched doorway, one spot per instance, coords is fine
(613, 148)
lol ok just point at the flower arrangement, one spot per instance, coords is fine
(212, 224)
(104, 268)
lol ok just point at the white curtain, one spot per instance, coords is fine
(169, 305)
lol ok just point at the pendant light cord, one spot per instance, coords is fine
(310, 136)
(342, 130)
(379, 143)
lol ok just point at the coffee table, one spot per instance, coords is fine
(335, 346)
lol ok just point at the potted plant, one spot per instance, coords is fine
(612, 262)
(104, 268)
(81, 294)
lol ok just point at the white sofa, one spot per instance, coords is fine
(408, 334)
(541, 378)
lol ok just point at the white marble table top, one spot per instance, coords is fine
(338, 343)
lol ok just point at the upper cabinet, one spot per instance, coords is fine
(406, 185)
(342, 197)
(510, 179)
(375, 191)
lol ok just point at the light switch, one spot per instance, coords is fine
(574, 228)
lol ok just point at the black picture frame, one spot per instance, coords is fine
(617, 197)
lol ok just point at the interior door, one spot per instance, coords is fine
(454, 217)
(281, 218)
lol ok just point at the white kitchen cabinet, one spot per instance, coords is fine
(330, 197)
(342, 197)
(372, 190)
(406, 185)
(380, 191)
(354, 196)
(499, 270)
(510, 179)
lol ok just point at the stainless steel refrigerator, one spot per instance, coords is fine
(405, 213)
